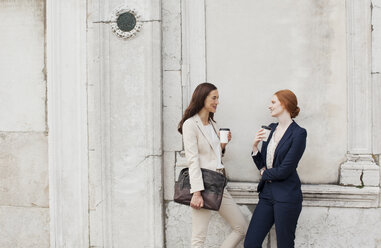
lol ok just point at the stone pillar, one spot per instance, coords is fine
(360, 168)
(67, 122)
(194, 47)
(125, 125)
(172, 91)
(376, 77)
(376, 74)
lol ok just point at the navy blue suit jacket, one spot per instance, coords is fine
(285, 182)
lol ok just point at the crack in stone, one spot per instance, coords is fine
(98, 204)
(105, 22)
(145, 158)
(109, 21)
(361, 180)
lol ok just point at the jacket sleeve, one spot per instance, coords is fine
(191, 153)
(258, 160)
(290, 161)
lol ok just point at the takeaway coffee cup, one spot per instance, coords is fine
(224, 132)
(267, 132)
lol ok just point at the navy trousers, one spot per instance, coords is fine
(284, 215)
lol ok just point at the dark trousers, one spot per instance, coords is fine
(284, 215)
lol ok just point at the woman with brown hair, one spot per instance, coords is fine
(280, 197)
(203, 150)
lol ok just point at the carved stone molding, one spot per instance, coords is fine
(67, 112)
(132, 28)
(315, 195)
(360, 168)
(193, 47)
(122, 153)
(359, 64)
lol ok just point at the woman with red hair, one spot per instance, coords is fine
(280, 195)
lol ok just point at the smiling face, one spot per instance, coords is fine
(275, 107)
(211, 101)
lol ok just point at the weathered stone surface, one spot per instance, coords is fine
(376, 80)
(24, 227)
(376, 74)
(350, 176)
(315, 195)
(317, 227)
(371, 175)
(360, 173)
(338, 227)
(303, 52)
(169, 175)
(149, 10)
(376, 36)
(95, 228)
(22, 66)
(135, 149)
(171, 12)
(172, 110)
(24, 169)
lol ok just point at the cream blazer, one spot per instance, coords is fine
(199, 151)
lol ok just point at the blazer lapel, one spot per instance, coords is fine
(200, 126)
(286, 135)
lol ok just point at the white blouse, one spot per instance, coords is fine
(270, 152)
(215, 142)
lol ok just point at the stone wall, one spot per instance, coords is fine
(125, 127)
(24, 188)
(317, 227)
(109, 192)
(332, 215)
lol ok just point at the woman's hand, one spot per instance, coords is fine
(197, 202)
(261, 134)
(262, 170)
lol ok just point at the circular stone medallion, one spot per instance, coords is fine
(126, 22)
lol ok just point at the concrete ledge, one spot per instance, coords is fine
(323, 195)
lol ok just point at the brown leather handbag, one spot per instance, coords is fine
(214, 184)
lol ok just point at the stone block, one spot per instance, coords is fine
(23, 227)
(171, 12)
(149, 10)
(169, 175)
(96, 228)
(361, 172)
(172, 110)
(338, 227)
(22, 66)
(350, 177)
(371, 175)
(376, 36)
(376, 91)
(137, 193)
(24, 177)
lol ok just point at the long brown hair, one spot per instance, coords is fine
(197, 103)
(288, 99)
